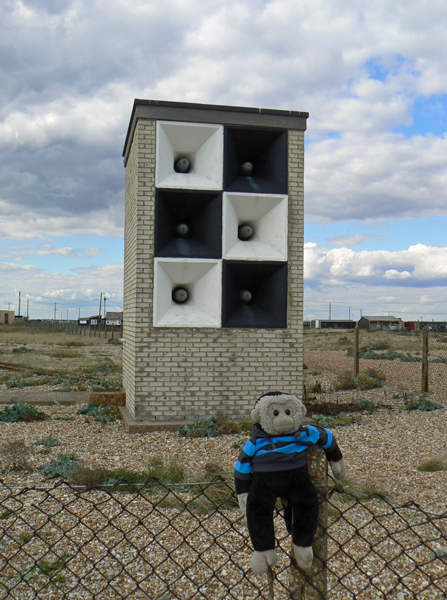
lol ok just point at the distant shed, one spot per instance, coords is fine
(380, 322)
(333, 324)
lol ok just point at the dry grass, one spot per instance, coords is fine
(54, 360)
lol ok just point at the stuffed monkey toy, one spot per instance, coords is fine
(273, 464)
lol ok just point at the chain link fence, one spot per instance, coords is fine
(411, 362)
(189, 542)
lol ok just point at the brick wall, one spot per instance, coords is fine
(176, 374)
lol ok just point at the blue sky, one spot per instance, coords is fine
(372, 76)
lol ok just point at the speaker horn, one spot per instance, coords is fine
(254, 294)
(187, 293)
(189, 156)
(255, 160)
(188, 224)
(254, 227)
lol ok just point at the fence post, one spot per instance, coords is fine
(424, 383)
(312, 584)
(356, 352)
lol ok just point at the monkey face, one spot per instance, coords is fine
(282, 417)
(279, 414)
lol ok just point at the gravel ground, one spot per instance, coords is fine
(382, 450)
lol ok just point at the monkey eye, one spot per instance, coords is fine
(287, 411)
(276, 413)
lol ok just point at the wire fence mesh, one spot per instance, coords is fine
(188, 541)
(411, 362)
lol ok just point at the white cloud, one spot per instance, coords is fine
(421, 264)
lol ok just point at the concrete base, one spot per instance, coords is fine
(44, 398)
(132, 426)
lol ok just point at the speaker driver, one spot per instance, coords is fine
(182, 230)
(245, 296)
(179, 295)
(245, 232)
(246, 169)
(182, 165)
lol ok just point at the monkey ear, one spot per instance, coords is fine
(255, 415)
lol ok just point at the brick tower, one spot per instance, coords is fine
(213, 267)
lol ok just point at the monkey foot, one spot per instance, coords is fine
(261, 561)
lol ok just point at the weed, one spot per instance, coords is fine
(21, 412)
(423, 404)
(15, 454)
(367, 382)
(15, 383)
(226, 426)
(21, 350)
(366, 405)
(166, 473)
(329, 421)
(49, 442)
(6, 514)
(104, 414)
(62, 467)
(433, 465)
(202, 428)
(345, 381)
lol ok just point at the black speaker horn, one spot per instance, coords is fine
(255, 160)
(188, 224)
(254, 294)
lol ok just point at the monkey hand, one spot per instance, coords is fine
(338, 469)
(242, 499)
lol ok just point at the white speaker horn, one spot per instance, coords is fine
(189, 156)
(262, 215)
(187, 293)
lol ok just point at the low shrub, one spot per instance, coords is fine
(49, 442)
(21, 412)
(201, 428)
(15, 455)
(432, 466)
(102, 413)
(63, 467)
(423, 404)
(367, 382)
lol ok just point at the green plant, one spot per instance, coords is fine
(102, 413)
(433, 465)
(366, 405)
(21, 412)
(62, 467)
(49, 442)
(367, 382)
(345, 381)
(202, 428)
(423, 404)
(21, 350)
(171, 472)
(15, 383)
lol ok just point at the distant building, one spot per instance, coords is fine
(333, 324)
(7, 317)
(114, 318)
(379, 322)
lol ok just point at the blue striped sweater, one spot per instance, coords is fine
(264, 453)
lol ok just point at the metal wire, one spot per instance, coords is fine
(189, 542)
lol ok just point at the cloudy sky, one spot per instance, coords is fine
(372, 75)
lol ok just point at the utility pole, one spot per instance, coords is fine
(20, 298)
(105, 312)
(27, 308)
(55, 311)
(330, 311)
(100, 303)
